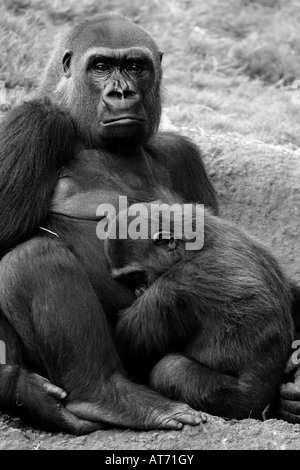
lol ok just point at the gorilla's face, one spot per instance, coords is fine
(113, 93)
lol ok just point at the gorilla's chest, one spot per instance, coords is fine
(95, 179)
(81, 188)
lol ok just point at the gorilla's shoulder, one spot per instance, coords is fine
(170, 144)
(183, 161)
(173, 148)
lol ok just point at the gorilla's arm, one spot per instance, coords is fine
(186, 168)
(289, 407)
(160, 320)
(36, 140)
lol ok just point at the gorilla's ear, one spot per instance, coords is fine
(165, 239)
(161, 53)
(67, 63)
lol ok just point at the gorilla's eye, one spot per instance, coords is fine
(102, 67)
(136, 67)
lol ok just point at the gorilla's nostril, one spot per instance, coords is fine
(115, 94)
(119, 98)
(129, 94)
(121, 94)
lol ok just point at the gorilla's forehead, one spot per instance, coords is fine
(113, 33)
(118, 54)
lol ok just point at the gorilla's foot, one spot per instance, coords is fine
(131, 405)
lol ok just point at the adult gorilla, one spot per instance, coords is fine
(89, 136)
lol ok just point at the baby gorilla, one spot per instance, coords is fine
(210, 327)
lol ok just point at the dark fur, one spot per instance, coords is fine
(33, 130)
(58, 163)
(220, 316)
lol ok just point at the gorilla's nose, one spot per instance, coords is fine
(119, 95)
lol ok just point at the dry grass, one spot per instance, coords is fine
(229, 66)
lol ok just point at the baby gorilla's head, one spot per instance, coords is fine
(139, 257)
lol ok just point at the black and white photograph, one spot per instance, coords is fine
(149, 227)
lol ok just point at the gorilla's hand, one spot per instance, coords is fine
(289, 404)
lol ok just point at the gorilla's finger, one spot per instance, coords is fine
(54, 391)
(290, 417)
(290, 365)
(290, 391)
(289, 406)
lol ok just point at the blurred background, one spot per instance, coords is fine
(230, 67)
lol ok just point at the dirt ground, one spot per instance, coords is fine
(216, 434)
(258, 187)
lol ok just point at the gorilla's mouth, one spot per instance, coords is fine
(135, 280)
(123, 120)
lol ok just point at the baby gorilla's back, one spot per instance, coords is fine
(213, 326)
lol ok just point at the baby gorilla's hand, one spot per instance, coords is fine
(289, 404)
